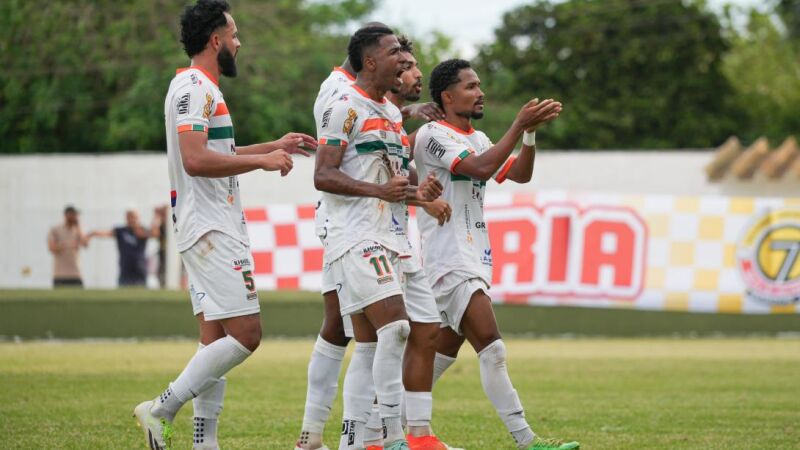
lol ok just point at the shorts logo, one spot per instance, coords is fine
(366, 252)
(768, 257)
(350, 121)
(385, 279)
(239, 264)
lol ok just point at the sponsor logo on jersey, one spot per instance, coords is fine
(207, 107)
(350, 121)
(486, 258)
(252, 296)
(183, 104)
(195, 80)
(480, 225)
(768, 257)
(173, 197)
(349, 430)
(435, 148)
(326, 117)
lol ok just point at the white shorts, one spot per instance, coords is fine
(420, 302)
(328, 285)
(366, 274)
(220, 270)
(453, 294)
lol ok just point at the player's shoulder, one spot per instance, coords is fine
(191, 80)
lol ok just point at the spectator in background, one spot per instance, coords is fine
(160, 214)
(64, 241)
(131, 242)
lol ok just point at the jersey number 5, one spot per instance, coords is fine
(249, 283)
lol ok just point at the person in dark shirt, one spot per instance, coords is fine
(131, 242)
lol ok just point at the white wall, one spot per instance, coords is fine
(35, 189)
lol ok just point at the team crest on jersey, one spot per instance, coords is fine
(350, 121)
(207, 107)
(768, 257)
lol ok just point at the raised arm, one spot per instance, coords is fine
(483, 166)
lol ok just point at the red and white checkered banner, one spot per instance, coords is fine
(656, 252)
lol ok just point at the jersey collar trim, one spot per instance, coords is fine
(347, 74)
(205, 72)
(362, 92)
(455, 128)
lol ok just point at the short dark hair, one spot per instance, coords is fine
(405, 44)
(361, 40)
(198, 22)
(70, 209)
(444, 75)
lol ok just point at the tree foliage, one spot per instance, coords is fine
(631, 73)
(91, 75)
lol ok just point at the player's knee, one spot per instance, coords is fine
(334, 332)
(250, 338)
(399, 329)
(494, 354)
(425, 335)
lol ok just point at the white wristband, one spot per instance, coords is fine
(529, 139)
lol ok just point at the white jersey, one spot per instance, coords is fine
(369, 132)
(336, 82)
(199, 204)
(461, 245)
(400, 162)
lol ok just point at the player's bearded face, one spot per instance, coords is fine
(469, 96)
(226, 61)
(411, 89)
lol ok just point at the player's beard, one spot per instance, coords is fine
(476, 115)
(227, 62)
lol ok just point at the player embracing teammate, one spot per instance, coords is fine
(370, 268)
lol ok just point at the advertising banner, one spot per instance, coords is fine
(710, 254)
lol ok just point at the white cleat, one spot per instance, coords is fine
(157, 430)
(451, 448)
(324, 447)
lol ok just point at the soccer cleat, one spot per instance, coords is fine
(157, 430)
(553, 444)
(297, 447)
(429, 442)
(400, 444)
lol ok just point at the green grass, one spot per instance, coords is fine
(74, 314)
(609, 394)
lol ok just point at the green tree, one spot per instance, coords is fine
(631, 73)
(764, 68)
(91, 75)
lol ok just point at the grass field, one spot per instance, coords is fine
(609, 394)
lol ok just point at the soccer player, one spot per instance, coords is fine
(336, 332)
(420, 303)
(458, 258)
(209, 222)
(361, 250)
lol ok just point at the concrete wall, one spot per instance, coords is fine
(35, 189)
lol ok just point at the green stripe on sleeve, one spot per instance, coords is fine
(220, 133)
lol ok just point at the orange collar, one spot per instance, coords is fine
(362, 92)
(340, 69)
(455, 128)
(205, 72)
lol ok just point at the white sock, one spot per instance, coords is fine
(373, 433)
(205, 369)
(440, 364)
(207, 407)
(497, 385)
(419, 407)
(359, 393)
(388, 374)
(323, 382)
